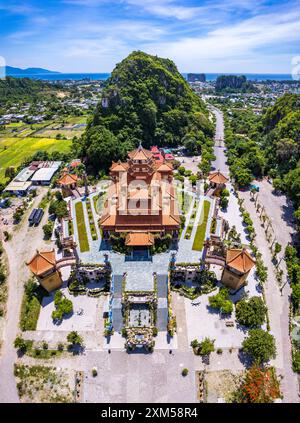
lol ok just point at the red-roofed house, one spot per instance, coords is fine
(157, 154)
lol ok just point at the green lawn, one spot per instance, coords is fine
(201, 229)
(14, 150)
(30, 309)
(83, 239)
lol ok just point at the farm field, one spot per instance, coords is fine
(14, 150)
(52, 133)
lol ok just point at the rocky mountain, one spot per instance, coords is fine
(146, 99)
(234, 83)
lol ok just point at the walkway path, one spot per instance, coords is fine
(278, 306)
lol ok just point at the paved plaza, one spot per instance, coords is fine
(83, 318)
(143, 378)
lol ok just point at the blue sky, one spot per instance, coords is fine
(200, 36)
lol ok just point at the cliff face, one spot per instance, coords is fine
(146, 99)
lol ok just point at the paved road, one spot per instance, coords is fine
(278, 306)
(219, 149)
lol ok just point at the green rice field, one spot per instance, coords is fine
(13, 151)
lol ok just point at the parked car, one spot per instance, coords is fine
(254, 187)
(38, 216)
(32, 216)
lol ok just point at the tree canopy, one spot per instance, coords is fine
(260, 345)
(252, 312)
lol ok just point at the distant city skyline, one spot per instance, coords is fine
(91, 36)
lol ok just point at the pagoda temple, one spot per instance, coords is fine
(141, 199)
(237, 268)
(217, 182)
(43, 265)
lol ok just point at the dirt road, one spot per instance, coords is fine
(19, 249)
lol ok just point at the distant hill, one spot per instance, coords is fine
(193, 77)
(234, 83)
(29, 71)
(23, 89)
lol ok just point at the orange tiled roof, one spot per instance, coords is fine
(108, 219)
(67, 179)
(170, 220)
(218, 178)
(165, 167)
(139, 239)
(119, 167)
(42, 262)
(140, 154)
(240, 260)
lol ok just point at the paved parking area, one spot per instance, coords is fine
(233, 216)
(190, 163)
(139, 377)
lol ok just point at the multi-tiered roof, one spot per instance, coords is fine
(142, 196)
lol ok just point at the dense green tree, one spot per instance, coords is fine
(295, 296)
(24, 89)
(252, 312)
(221, 301)
(59, 208)
(206, 346)
(2, 274)
(74, 338)
(21, 344)
(48, 230)
(260, 345)
(282, 107)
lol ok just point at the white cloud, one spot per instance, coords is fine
(218, 35)
(20, 36)
(240, 43)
